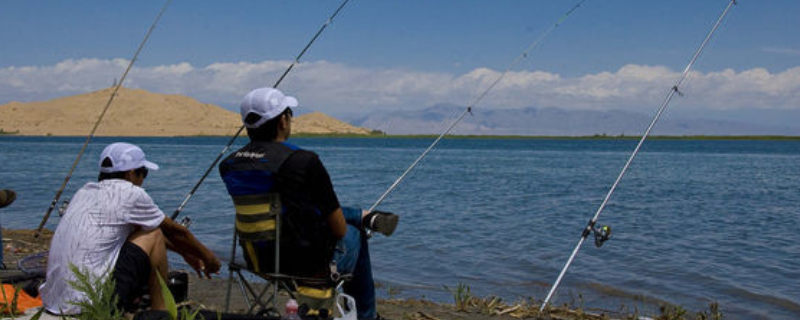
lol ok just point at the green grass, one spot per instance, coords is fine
(462, 296)
(679, 313)
(465, 301)
(101, 302)
(11, 307)
(337, 135)
(520, 137)
(510, 137)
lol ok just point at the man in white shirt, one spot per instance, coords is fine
(113, 229)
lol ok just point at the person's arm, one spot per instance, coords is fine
(182, 241)
(337, 223)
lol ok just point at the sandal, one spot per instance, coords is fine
(381, 221)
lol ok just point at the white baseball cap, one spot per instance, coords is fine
(124, 157)
(267, 103)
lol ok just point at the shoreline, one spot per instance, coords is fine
(210, 294)
(474, 137)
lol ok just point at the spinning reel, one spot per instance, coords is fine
(601, 233)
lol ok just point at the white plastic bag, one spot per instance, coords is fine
(342, 299)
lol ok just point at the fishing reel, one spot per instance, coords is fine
(185, 221)
(63, 208)
(601, 233)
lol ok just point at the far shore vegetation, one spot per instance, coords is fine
(521, 137)
(380, 135)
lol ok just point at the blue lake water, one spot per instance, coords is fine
(693, 221)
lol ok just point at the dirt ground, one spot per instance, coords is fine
(211, 293)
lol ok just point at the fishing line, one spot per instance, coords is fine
(239, 132)
(591, 226)
(468, 110)
(100, 119)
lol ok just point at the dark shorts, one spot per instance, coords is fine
(131, 274)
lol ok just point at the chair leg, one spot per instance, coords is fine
(250, 293)
(230, 272)
(257, 301)
(228, 293)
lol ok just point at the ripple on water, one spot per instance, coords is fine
(693, 221)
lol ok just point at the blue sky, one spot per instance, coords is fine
(388, 54)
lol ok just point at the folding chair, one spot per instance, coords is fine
(262, 223)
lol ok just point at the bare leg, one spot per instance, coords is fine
(153, 243)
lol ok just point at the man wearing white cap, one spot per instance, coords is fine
(270, 173)
(112, 229)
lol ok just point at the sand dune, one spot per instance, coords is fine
(136, 112)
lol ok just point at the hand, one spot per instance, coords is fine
(203, 267)
(212, 265)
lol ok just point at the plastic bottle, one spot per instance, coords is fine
(346, 306)
(291, 310)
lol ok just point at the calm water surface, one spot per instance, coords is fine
(694, 221)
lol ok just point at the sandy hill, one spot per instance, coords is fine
(137, 112)
(320, 123)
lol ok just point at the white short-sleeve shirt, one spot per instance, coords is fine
(98, 221)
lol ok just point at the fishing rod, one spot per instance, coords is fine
(100, 119)
(468, 109)
(604, 233)
(222, 153)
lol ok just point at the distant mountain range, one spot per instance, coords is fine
(141, 113)
(552, 122)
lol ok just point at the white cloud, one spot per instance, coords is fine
(330, 86)
(783, 51)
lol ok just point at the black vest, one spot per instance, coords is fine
(254, 178)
